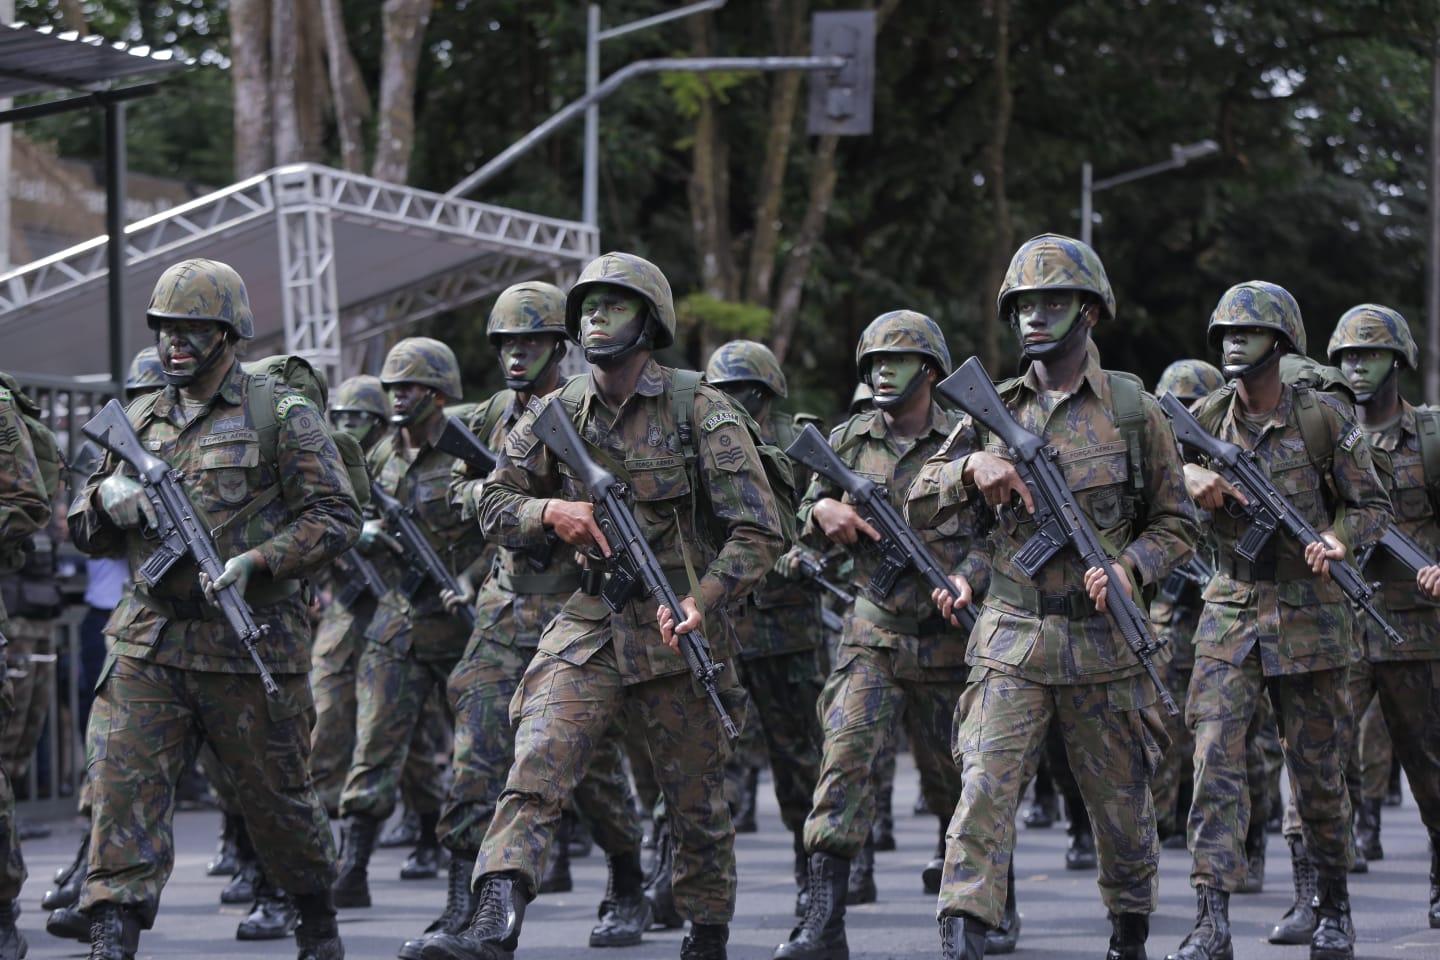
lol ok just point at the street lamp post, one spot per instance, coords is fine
(1180, 155)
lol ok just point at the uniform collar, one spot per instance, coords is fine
(232, 391)
(1393, 436)
(937, 423)
(1091, 373)
(650, 383)
(1279, 417)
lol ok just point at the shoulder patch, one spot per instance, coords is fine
(1350, 439)
(535, 404)
(9, 431)
(718, 419)
(305, 427)
(289, 403)
(5, 394)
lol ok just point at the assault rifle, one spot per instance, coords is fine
(1268, 509)
(1403, 548)
(425, 563)
(1059, 521)
(178, 529)
(632, 567)
(1196, 571)
(364, 571)
(457, 440)
(899, 547)
(812, 568)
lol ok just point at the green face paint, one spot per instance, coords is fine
(610, 316)
(184, 345)
(1243, 347)
(412, 403)
(1366, 370)
(891, 373)
(523, 357)
(1046, 316)
(356, 423)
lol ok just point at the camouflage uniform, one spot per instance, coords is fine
(1029, 663)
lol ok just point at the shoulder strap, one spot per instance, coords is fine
(682, 403)
(1319, 446)
(494, 410)
(1427, 425)
(572, 393)
(1125, 390)
(260, 406)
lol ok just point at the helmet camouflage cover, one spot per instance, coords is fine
(530, 307)
(746, 360)
(1189, 380)
(145, 372)
(635, 274)
(1373, 327)
(1053, 262)
(861, 398)
(424, 361)
(200, 289)
(903, 331)
(1258, 303)
(362, 394)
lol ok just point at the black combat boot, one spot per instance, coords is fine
(882, 831)
(317, 937)
(624, 914)
(12, 944)
(1358, 863)
(241, 888)
(658, 891)
(922, 806)
(1297, 926)
(1210, 940)
(1042, 812)
(1002, 939)
(456, 915)
(861, 888)
(273, 916)
(428, 857)
(821, 932)
(705, 941)
(114, 932)
(69, 923)
(935, 869)
(802, 876)
(1080, 855)
(1128, 933)
(1334, 937)
(225, 863)
(962, 938)
(357, 843)
(557, 877)
(403, 831)
(494, 930)
(1255, 839)
(1392, 786)
(1367, 829)
(69, 879)
(1434, 881)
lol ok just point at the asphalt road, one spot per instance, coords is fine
(1061, 911)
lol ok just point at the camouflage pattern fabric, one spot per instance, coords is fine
(425, 361)
(902, 331)
(1367, 775)
(362, 394)
(146, 371)
(1189, 380)
(591, 664)
(201, 289)
(529, 307)
(746, 361)
(784, 691)
(1054, 262)
(1258, 303)
(1113, 738)
(1176, 629)
(1373, 327)
(31, 657)
(629, 272)
(147, 722)
(1407, 694)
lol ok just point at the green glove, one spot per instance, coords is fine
(237, 573)
(125, 503)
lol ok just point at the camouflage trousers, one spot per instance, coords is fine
(1373, 755)
(147, 723)
(393, 691)
(12, 863)
(784, 690)
(561, 713)
(1312, 711)
(338, 641)
(481, 688)
(31, 657)
(1113, 738)
(858, 711)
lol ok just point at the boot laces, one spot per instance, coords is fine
(818, 908)
(457, 892)
(489, 910)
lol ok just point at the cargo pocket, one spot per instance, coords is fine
(1133, 702)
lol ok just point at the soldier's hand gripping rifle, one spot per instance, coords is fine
(1403, 548)
(178, 529)
(425, 563)
(899, 547)
(1058, 518)
(632, 567)
(1268, 509)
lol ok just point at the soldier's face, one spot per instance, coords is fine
(1366, 370)
(891, 373)
(610, 315)
(1046, 316)
(523, 356)
(1243, 346)
(354, 422)
(183, 344)
(411, 401)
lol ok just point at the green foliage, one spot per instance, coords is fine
(690, 90)
(721, 319)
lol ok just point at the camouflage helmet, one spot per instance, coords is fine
(530, 307)
(1373, 327)
(200, 289)
(145, 373)
(424, 361)
(632, 273)
(746, 360)
(1053, 262)
(903, 331)
(862, 398)
(362, 394)
(1257, 303)
(1189, 380)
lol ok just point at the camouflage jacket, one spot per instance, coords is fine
(420, 479)
(1312, 623)
(1396, 450)
(728, 528)
(1148, 533)
(907, 616)
(312, 519)
(24, 506)
(529, 585)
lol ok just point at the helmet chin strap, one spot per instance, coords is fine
(1379, 387)
(1052, 348)
(206, 362)
(899, 399)
(611, 355)
(527, 384)
(415, 412)
(1272, 356)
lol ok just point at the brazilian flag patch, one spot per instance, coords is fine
(1352, 437)
(718, 419)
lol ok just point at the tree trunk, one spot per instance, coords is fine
(250, 78)
(286, 22)
(405, 22)
(709, 187)
(1004, 234)
(313, 91)
(347, 88)
(72, 14)
(789, 17)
